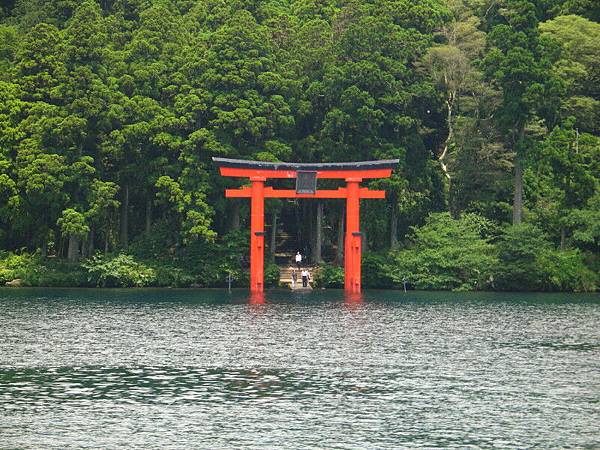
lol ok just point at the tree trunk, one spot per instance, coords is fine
(273, 244)
(394, 225)
(309, 233)
(9, 236)
(449, 105)
(518, 186)
(148, 216)
(319, 234)
(44, 249)
(518, 193)
(106, 238)
(90, 250)
(234, 223)
(73, 249)
(563, 238)
(59, 252)
(297, 213)
(339, 256)
(454, 206)
(123, 238)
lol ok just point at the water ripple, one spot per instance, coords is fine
(181, 369)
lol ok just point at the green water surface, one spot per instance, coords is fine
(210, 369)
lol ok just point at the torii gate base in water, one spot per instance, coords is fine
(352, 173)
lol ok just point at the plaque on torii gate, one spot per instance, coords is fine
(306, 176)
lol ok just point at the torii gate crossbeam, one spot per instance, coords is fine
(353, 173)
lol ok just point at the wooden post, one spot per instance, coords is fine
(319, 234)
(257, 234)
(352, 247)
(273, 243)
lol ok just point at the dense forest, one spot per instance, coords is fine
(111, 110)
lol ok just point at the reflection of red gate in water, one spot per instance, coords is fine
(305, 174)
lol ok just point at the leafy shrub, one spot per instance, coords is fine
(376, 271)
(118, 271)
(159, 243)
(199, 263)
(14, 266)
(35, 271)
(446, 254)
(329, 276)
(565, 271)
(211, 262)
(272, 275)
(55, 273)
(518, 250)
(170, 276)
(528, 261)
(586, 224)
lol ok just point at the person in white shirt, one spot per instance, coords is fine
(298, 259)
(305, 277)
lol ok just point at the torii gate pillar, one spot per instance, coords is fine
(352, 173)
(353, 241)
(257, 234)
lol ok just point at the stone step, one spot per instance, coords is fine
(285, 277)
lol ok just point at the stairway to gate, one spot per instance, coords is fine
(288, 242)
(286, 246)
(285, 277)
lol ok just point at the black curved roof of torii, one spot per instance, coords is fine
(263, 165)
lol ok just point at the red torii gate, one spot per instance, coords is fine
(306, 175)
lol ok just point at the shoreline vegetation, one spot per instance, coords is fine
(110, 113)
(444, 254)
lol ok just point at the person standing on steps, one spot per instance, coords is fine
(294, 278)
(298, 259)
(305, 277)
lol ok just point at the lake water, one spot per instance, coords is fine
(208, 369)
